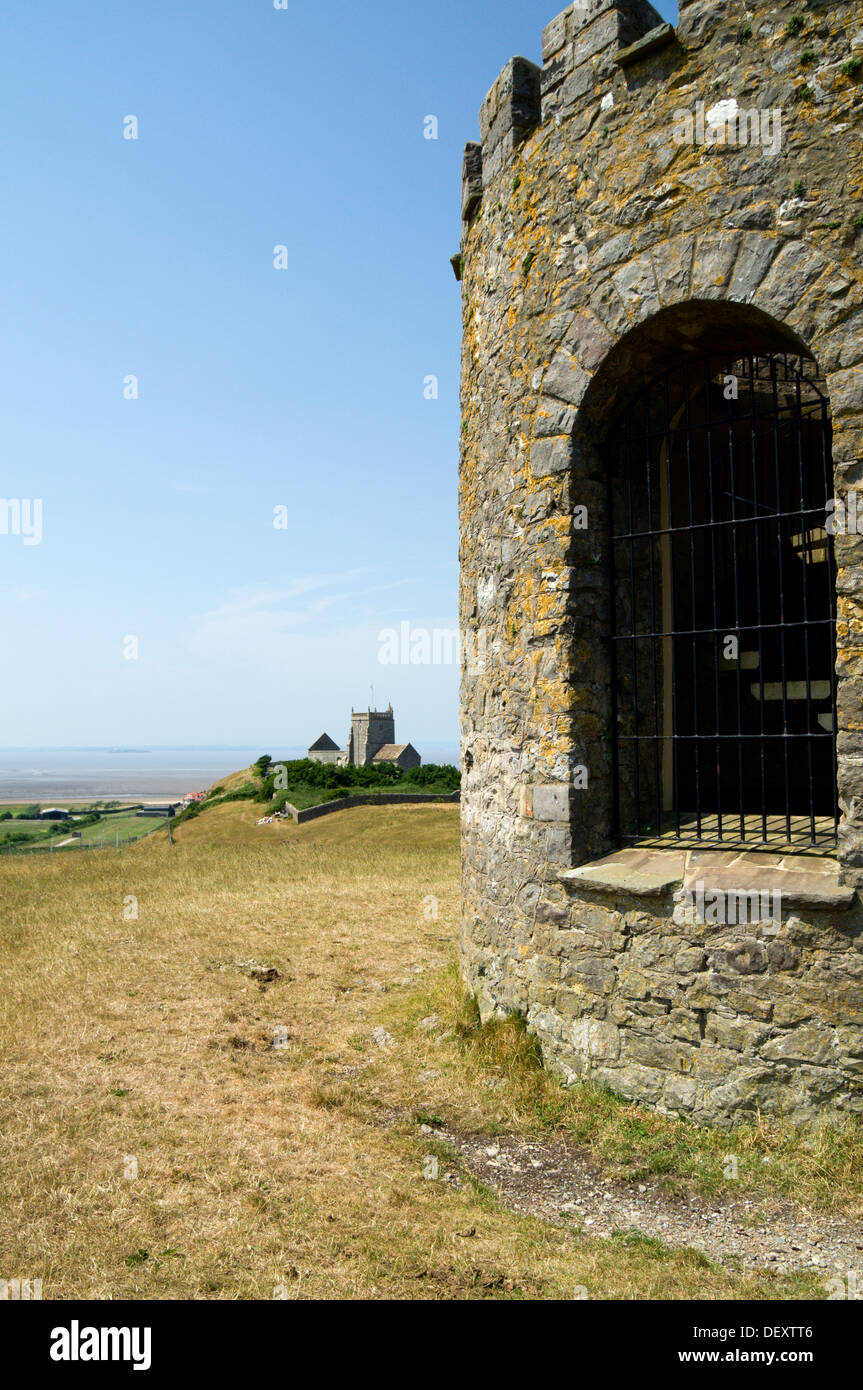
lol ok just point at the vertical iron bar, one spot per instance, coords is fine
(654, 638)
(612, 627)
(762, 743)
(774, 381)
(736, 588)
(696, 740)
(673, 609)
(829, 487)
(634, 663)
(805, 558)
(711, 493)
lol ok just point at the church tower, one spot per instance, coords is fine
(370, 731)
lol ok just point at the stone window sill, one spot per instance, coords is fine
(803, 880)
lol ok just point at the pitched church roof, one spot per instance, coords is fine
(324, 745)
(390, 752)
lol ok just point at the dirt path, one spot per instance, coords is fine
(554, 1181)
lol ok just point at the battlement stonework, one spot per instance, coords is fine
(641, 199)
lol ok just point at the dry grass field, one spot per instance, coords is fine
(177, 1121)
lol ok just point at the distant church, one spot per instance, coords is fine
(372, 739)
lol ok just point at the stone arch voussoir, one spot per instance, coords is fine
(794, 292)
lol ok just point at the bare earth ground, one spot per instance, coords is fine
(245, 1067)
(553, 1180)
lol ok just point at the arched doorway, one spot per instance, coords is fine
(722, 606)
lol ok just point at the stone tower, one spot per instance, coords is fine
(662, 618)
(370, 731)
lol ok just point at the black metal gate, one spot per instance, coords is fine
(723, 607)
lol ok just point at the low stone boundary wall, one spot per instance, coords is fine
(368, 799)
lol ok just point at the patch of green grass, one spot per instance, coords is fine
(807, 57)
(794, 26)
(815, 1167)
(649, 1244)
(527, 263)
(852, 67)
(129, 827)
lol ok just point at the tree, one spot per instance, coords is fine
(262, 765)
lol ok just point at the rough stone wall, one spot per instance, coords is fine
(716, 1022)
(344, 803)
(597, 250)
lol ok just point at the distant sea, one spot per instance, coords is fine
(134, 774)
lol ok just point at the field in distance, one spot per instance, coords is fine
(88, 824)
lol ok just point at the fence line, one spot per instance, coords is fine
(114, 842)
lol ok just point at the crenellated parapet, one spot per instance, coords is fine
(580, 46)
(592, 32)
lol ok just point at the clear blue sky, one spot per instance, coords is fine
(258, 388)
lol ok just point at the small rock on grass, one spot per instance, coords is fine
(381, 1038)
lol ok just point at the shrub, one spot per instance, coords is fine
(18, 837)
(444, 775)
(248, 792)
